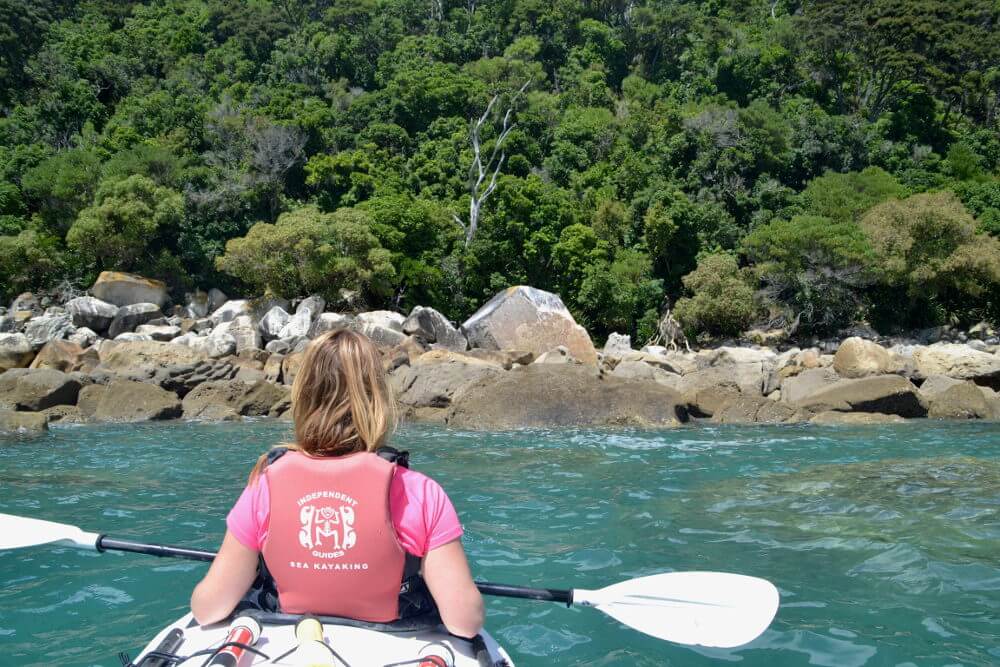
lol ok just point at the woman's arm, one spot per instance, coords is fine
(447, 574)
(228, 579)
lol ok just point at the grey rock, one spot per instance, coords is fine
(229, 311)
(159, 332)
(132, 337)
(382, 337)
(298, 325)
(83, 337)
(329, 322)
(386, 319)
(37, 389)
(26, 302)
(273, 322)
(429, 326)
(216, 345)
(806, 383)
(7, 324)
(91, 312)
(202, 325)
(216, 299)
(197, 304)
(131, 316)
(314, 304)
(618, 345)
(246, 334)
(40, 330)
(15, 351)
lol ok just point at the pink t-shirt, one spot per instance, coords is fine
(422, 513)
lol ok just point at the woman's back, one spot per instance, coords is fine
(335, 523)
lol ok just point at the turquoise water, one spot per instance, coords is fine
(884, 541)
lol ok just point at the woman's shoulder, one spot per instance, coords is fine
(414, 482)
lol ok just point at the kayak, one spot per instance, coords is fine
(357, 647)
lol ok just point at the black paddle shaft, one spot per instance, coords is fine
(105, 543)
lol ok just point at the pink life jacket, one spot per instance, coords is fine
(331, 546)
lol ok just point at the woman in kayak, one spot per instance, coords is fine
(333, 521)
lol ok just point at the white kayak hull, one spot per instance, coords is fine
(359, 647)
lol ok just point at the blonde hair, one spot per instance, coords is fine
(341, 401)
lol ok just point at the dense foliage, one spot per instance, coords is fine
(762, 161)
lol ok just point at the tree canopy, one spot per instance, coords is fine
(828, 159)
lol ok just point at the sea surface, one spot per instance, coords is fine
(883, 540)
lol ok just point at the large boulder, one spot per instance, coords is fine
(857, 357)
(177, 368)
(129, 401)
(386, 319)
(37, 389)
(248, 400)
(747, 368)
(91, 312)
(40, 330)
(547, 396)
(429, 326)
(20, 423)
(960, 362)
(525, 318)
(795, 388)
(129, 317)
(83, 336)
(66, 356)
(125, 289)
(889, 394)
(963, 400)
(15, 351)
(436, 377)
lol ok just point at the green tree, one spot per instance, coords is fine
(815, 265)
(310, 252)
(28, 261)
(928, 248)
(721, 301)
(62, 185)
(128, 225)
(844, 197)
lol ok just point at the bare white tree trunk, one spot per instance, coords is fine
(479, 187)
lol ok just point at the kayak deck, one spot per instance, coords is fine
(359, 647)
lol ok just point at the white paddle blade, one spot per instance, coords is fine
(700, 608)
(17, 532)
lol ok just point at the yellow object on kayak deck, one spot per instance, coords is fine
(312, 652)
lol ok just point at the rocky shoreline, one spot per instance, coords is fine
(120, 355)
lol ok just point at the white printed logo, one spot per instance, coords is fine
(327, 530)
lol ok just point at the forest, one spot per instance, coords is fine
(748, 163)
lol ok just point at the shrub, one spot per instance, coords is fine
(928, 247)
(815, 265)
(721, 301)
(129, 220)
(28, 261)
(844, 197)
(309, 252)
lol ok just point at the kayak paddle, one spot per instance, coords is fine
(716, 609)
